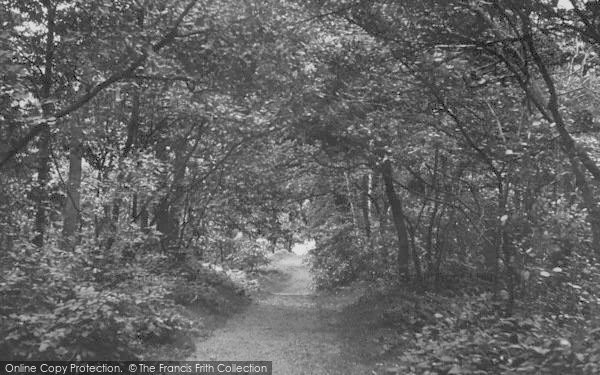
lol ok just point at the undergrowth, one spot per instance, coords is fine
(554, 328)
(100, 304)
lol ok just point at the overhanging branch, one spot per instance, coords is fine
(115, 77)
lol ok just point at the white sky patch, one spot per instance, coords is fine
(566, 4)
(304, 247)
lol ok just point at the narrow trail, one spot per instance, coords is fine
(290, 324)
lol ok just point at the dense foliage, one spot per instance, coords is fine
(447, 150)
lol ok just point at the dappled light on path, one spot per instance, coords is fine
(288, 324)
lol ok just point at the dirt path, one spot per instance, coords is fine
(289, 324)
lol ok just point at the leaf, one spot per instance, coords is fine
(540, 350)
(43, 346)
(564, 342)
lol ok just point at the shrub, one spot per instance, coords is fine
(338, 258)
(59, 305)
(250, 256)
(554, 330)
(201, 286)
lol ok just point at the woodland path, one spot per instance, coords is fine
(290, 324)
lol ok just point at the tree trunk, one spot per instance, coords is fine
(144, 220)
(41, 195)
(506, 248)
(382, 211)
(351, 201)
(432, 220)
(43, 167)
(166, 224)
(134, 206)
(576, 155)
(133, 125)
(366, 204)
(72, 202)
(166, 214)
(398, 217)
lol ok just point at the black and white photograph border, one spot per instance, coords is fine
(300, 187)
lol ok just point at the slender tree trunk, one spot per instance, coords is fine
(351, 201)
(134, 205)
(429, 240)
(41, 196)
(366, 204)
(412, 231)
(431, 228)
(133, 125)
(439, 247)
(382, 211)
(132, 130)
(505, 246)
(43, 168)
(398, 217)
(166, 224)
(72, 202)
(144, 220)
(116, 210)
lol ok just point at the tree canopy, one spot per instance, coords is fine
(420, 143)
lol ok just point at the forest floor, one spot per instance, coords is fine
(302, 331)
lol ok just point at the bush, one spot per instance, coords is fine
(555, 329)
(59, 305)
(518, 345)
(338, 258)
(250, 255)
(201, 286)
